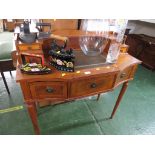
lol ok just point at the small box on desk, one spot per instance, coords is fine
(30, 53)
(32, 58)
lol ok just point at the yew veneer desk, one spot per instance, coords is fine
(63, 86)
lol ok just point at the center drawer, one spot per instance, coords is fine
(41, 90)
(91, 85)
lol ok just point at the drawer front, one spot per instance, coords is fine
(29, 47)
(124, 74)
(91, 85)
(41, 90)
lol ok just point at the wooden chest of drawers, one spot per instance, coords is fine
(142, 47)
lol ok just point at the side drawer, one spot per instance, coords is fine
(124, 74)
(41, 90)
(29, 47)
(91, 85)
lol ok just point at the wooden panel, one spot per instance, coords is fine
(42, 90)
(25, 90)
(133, 71)
(142, 47)
(73, 43)
(91, 85)
(61, 24)
(124, 74)
(24, 47)
(35, 58)
(10, 25)
(7, 65)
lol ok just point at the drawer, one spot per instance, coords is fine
(29, 47)
(41, 90)
(124, 74)
(91, 85)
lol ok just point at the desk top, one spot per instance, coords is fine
(124, 60)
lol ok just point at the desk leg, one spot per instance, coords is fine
(124, 87)
(6, 86)
(33, 115)
(98, 96)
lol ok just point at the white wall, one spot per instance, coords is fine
(1, 25)
(142, 27)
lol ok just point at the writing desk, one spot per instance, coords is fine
(64, 86)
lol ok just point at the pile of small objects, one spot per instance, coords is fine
(60, 58)
(34, 68)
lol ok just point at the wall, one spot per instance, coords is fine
(1, 25)
(61, 24)
(142, 27)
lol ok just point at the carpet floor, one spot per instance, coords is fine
(85, 116)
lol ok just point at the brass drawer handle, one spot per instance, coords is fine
(93, 85)
(49, 90)
(122, 75)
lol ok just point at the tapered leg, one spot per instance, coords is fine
(11, 73)
(124, 87)
(98, 96)
(33, 115)
(6, 86)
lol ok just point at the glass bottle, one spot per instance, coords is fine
(118, 28)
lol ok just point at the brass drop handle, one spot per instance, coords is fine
(93, 85)
(49, 90)
(122, 75)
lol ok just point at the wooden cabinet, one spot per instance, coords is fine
(142, 47)
(9, 24)
(61, 24)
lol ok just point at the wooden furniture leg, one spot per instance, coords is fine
(98, 96)
(33, 115)
(6, 86)
(11, 73)
(124, 87)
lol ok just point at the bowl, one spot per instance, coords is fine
(92, 45)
